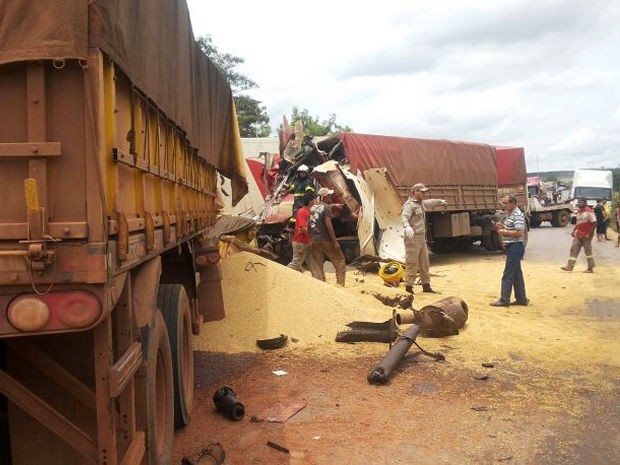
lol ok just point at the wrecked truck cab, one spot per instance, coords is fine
(372, 176)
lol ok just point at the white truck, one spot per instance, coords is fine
(591, 184)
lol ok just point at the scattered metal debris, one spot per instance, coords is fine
(279, 412)
(226, 402)
(212, 454)
(369, 332)
(401, 300)
(381, 373)
(273, 343)
(278, 447)
(442, 318)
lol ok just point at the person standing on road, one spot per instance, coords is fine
(582, 233)
(618, 225)
(324, 243)
(302, 240)
(413, 218)
(599, 214)
(606, 217)
(512, 232)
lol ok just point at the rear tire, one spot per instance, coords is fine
(560, 219)
(440, 246)
(159, 395)
(535, 223)
(175, 309)
(497, 241)
(487, 243)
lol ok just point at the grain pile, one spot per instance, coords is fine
(264, 299)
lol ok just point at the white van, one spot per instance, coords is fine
(591, 184)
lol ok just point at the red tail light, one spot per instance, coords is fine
(54, 311)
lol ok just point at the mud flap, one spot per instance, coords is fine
(210, 295)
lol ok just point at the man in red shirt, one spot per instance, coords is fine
(582, 236)
(301, 236)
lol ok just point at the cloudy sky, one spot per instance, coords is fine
(540, 74)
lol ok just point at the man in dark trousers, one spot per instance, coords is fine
(512, 231)
(302, 185)
(324, 243)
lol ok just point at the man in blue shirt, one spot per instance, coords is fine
(512, 231)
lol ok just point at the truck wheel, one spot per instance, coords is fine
(535, 223)
(487, 243)
(175, 309)
(497, 241)
(440, 246)
(159, 395)
(560, 219)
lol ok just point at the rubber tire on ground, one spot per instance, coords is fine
(487, 243)
(440, 246)
(496, 241)
(159, 395)
(175, 308)
(464, 245)
(535, 223)
(560, 219)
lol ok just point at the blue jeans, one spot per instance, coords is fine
(513, 276)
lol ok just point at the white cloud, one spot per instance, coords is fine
(539, 74)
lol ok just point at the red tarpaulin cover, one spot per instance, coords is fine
(511, 168)
(432, 162)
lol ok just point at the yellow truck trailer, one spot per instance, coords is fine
(113, 129)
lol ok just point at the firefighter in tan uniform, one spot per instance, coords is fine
(414, 221)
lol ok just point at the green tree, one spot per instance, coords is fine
(314, 127)
(251, 115)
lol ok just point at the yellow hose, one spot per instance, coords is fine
(392, 272)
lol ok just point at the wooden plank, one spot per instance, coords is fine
(61, 230)
(37, 126)
(30, 149)
(106, 412)
(48, 417)
(136, 450)
(124, 369)
(54, 371)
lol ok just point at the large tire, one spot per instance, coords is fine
(487, 243)
(535, 223)
(175, 309)
(560, 219)
(159, 395)
(440, 246)
(497, 241)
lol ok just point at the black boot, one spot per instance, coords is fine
(427, 288)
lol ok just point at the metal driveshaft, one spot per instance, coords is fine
(381, 373)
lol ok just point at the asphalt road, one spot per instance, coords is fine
(547, 244)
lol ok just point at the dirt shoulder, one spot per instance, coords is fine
(549, 397)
